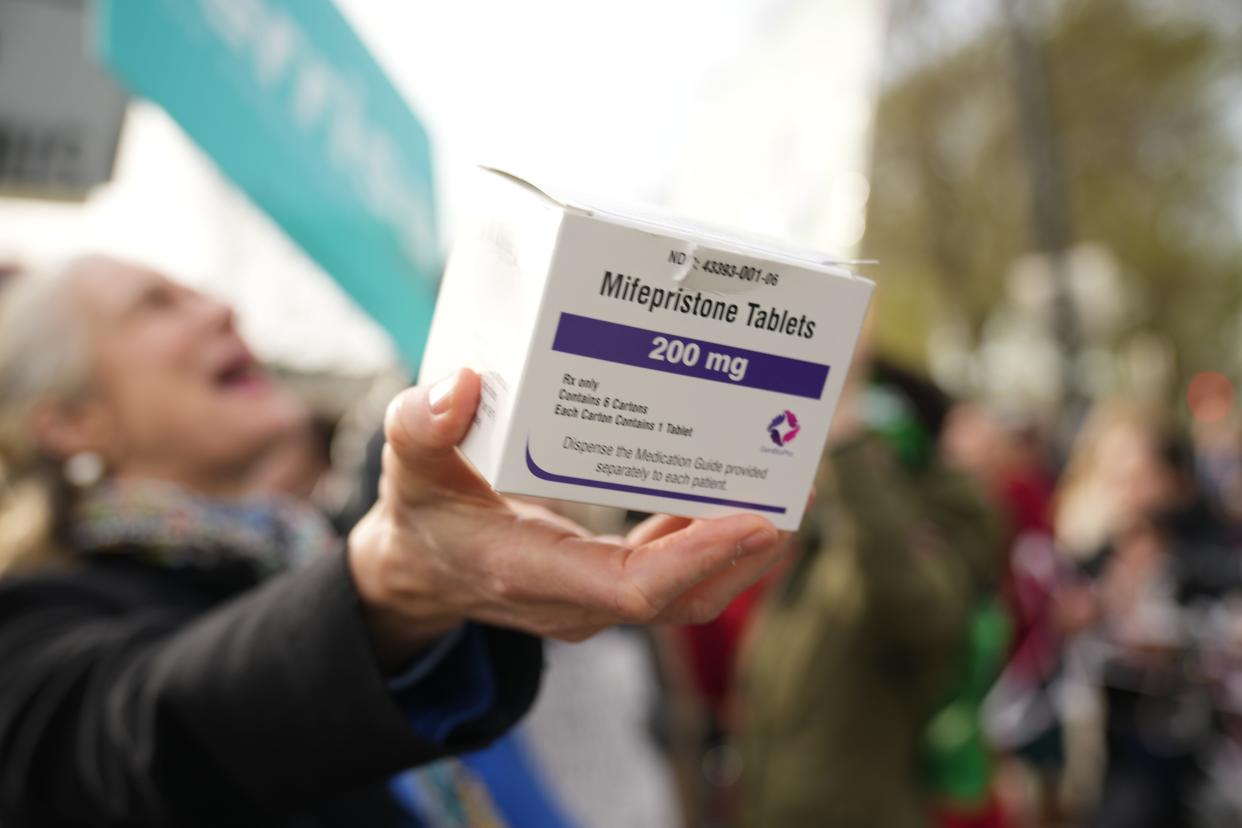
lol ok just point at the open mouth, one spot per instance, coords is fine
(242, 374)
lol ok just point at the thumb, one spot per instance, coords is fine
(423, 426)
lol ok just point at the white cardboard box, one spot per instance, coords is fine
(642, 363)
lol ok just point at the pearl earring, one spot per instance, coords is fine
(84, 469)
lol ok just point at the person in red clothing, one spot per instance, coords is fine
(1002, 450)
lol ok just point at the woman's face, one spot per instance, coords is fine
(174, 392)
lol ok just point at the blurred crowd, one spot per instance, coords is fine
(980, 627)
(1001, 633)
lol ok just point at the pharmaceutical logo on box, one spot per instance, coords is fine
(784, 428)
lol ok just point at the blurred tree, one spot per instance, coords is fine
(1145, 99)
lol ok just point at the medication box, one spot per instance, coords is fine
(639, 362)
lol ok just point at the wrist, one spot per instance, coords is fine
(398, 603)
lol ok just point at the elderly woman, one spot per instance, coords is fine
(175, 650)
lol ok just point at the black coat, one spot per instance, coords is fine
(134, 694)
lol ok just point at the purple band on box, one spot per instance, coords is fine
(698, 358)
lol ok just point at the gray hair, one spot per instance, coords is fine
(42, 358)
(41, 353)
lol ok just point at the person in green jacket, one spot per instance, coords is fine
(868, 636)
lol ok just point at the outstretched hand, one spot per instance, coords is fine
(441, 546)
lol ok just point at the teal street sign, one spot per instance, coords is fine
(292, 107)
